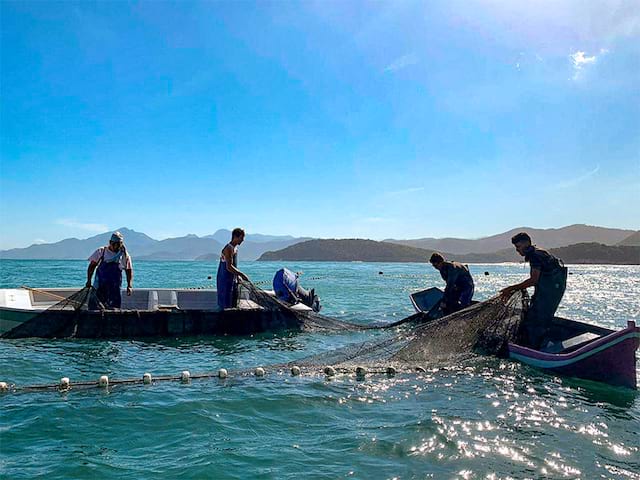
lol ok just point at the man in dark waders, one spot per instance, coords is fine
(549, 279)
(228, 273)
(110, 261)
(459, 290)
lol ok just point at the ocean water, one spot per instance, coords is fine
(484, 418)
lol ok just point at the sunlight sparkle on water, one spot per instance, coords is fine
(479, 417)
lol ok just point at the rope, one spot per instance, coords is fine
(277, 369)
(37, 290)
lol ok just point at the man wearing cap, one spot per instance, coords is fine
(109, 262)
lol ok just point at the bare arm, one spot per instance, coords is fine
(90, 269)
(129, 273)
(228, 260)
(529, 282)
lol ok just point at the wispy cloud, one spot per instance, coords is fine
(402, 62)
(572, 182)
(39, 240)
(91, 227)
(580, 60)
(405, 191)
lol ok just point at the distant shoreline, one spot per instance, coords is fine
(354, 250)
(574, 244)
(426, 263)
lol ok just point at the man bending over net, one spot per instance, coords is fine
(288, 289)
(459, 290)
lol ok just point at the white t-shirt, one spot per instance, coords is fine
(125, 260)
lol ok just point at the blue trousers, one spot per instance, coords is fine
(226, 287)
(109, 282)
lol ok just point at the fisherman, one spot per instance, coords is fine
(110, 261)
(459, 290)
(288, 289)
(549, 278)
(228, 273)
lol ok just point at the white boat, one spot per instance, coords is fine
(24, 312)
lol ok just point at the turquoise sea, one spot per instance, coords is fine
(484, 418)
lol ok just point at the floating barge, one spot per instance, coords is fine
(146, 313)
(580, 349)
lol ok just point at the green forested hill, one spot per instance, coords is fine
(350, 250)
(598, 253)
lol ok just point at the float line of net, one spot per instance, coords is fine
(65, 385)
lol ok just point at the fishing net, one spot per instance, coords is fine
(263, 298)
(82, 300)
(309, 320)
(61, 318)
(485, 328)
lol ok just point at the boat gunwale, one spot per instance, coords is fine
(614, 337)
(122, 311)
(35, 311)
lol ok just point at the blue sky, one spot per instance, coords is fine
(330, 119)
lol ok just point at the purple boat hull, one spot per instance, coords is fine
(609, 358)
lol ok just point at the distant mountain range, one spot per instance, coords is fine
(351, 250)
(143, 247)
(496, 248)
(548, 238)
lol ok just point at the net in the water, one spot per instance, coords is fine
(309, 320)
(485, 327)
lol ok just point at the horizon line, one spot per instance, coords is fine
(310, 237)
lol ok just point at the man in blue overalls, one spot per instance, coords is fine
(459, 290)
(549, 279)
(109, 262)
(228, 273)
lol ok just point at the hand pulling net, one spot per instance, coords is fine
(82, 300)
